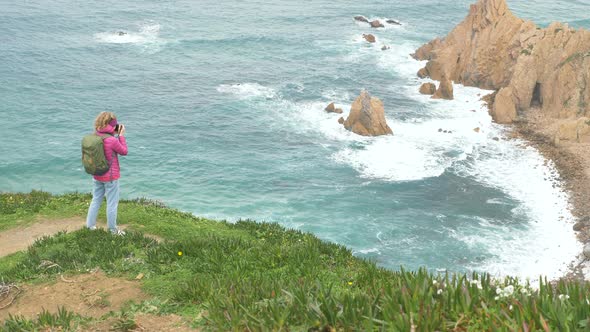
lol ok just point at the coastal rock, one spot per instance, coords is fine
(390, 21)
(586, 251)
(384, 48)
(544, 70)
(423, 73)
(579, 226)
(445, 89)
(477, 129)
(574, 130)
(330, 108)
(341, 120)
(377, 24)
(503, 110)
(367, 117)
(361, 18)
(428, 89)
(369, 37)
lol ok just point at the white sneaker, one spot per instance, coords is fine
(92, 228)
(118, 232)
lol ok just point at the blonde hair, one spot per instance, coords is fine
(103, 119)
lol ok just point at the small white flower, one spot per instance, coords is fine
(509, 290)
(563, 297)
(510, 308)
(434, 282)
(439, 291)
(498, 290)
(496, 298)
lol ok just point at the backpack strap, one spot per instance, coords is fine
(105, 136)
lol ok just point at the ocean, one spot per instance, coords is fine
(223, 104)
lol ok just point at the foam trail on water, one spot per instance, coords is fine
(247, 90)
(148, 36)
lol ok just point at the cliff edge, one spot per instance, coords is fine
(547, 70)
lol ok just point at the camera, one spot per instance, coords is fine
(117, 128)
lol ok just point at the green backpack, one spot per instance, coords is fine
(93, 158)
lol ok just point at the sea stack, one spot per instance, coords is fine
(445, 89)
(545, 71)
(367, 117)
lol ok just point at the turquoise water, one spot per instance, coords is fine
(223, 106)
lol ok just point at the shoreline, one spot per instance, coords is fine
(573, 165)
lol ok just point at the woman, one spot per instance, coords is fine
(108, 183)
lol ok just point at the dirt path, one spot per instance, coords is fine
(21, 238)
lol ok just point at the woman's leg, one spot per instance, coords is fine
(112, 191)
(97, 196)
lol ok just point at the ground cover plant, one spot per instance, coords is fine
(259, 276)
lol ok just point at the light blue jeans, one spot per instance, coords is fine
(111, 189)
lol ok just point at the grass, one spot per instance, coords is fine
(252, 276)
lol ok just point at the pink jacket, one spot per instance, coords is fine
(116, 145)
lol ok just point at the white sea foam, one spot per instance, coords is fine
(247, 90)
(548, 244)
(148, 36)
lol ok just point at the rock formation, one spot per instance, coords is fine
(330, 108)
(428, 89)
(377, 24)
(367, 117)
(445, 89)
(369, 37)
(544, 69)
(384, 48)
(361, 18)
(390, 21)
(422, 73)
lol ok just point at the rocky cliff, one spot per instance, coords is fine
(544, 69)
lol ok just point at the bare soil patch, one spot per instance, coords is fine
(91, 295)
(20, 238)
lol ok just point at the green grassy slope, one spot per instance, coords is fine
(260, 276)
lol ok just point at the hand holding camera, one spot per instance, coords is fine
(120, 129)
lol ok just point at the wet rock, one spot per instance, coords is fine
(330, 108)
(377, 24)
(445, 89)
(579, 226)
(341, 120)
(477, 130)
(428, 89)
(423, 73)
(369, 37)
(496, 139)
(361, 18)
(390, 21)
(384, 48)
(367, 117)
(586, 250)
